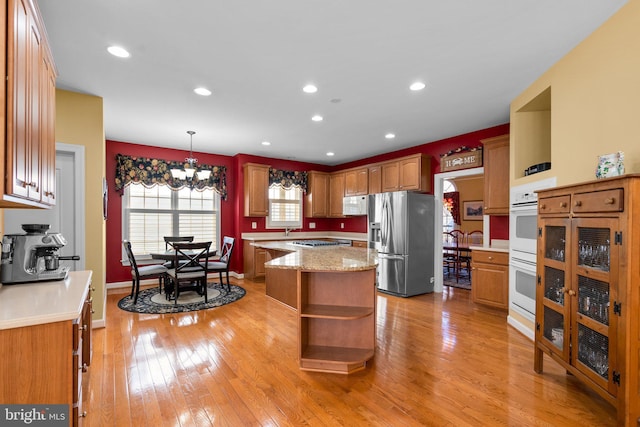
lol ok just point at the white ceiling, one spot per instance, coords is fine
(256, 55)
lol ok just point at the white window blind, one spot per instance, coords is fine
(149, 214)
(285, 207)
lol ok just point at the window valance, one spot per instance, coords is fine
(288, 179)
(150, 172)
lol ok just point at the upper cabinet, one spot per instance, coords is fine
(336, 194)
(316, 203)
(496, 175)
(256, 190)
(28, 117)
(407, 173)
(356, 182)
(375, 179)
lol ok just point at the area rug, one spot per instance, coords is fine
(153, 302)
(450, 280)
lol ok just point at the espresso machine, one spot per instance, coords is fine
(34, 256)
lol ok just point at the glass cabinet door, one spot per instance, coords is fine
(595, 320)
(554, 285)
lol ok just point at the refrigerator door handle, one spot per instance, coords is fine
(389, 256)
(384, 222)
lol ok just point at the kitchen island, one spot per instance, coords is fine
(333, 290)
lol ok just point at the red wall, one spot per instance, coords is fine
(233, 223)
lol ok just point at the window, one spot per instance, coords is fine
(285, 207)
(448, 223)
(149, 214)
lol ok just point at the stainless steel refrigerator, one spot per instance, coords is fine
(401, 229)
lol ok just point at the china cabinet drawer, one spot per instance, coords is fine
(558, 204)
(599, 201)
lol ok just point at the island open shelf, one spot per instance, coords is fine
(336, 318)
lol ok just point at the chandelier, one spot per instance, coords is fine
(190, 173)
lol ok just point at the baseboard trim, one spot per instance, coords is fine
(520, 327)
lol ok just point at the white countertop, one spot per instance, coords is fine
(36, 303)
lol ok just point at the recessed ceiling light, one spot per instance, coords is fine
(202, 91)
(118, 51)
(265, 143)
(310, 89)
(417, 86)
(331, 153)
(390, 135)
(317, 118)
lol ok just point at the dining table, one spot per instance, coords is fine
(461, 254)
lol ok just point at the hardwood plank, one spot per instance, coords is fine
(440, 361)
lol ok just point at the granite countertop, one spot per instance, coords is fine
(36, 303)
(300, 235)
(323, 258)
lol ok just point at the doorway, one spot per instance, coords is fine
(67, 216)
(438, 192)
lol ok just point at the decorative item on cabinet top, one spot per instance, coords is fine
(610, 165)
(461, 158)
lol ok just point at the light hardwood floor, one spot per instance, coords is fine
(440, 361)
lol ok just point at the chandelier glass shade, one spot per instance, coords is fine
(190, 172)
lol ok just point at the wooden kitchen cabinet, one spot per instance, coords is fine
(45, 362)
(587, 289)
(407, 173)
(253, 259)
(316, 202)
(490, 278)
(336, 194)
(256, 190)
(356, 182)
(496, 175)
(375, 179)
(28, 116)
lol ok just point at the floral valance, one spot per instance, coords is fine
(288, 179)
(451, 201)
(150, 172)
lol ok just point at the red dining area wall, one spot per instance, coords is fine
(234, 223)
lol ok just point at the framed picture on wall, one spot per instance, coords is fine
(472, 210)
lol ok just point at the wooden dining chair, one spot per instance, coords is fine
(190, 272)
(222, 265)
(451, 256)
(170, 239)
(472, 238)
(152, 271)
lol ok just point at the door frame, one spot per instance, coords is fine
(438, 184)
(78, 153)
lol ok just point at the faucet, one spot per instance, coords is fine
(288, 230)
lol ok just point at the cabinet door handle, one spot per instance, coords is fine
(609, 200)
(490, 258)
(571, 292)
(578, 203)
(85, 368)
(83, 414)
(83, 328)
(563, 204)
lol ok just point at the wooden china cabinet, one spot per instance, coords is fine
(588, 291)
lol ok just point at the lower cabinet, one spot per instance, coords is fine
(45, 363)
(490, 278)
(254, 259)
